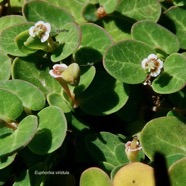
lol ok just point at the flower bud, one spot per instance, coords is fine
(72, 74)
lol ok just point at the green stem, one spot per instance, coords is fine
(68, 92)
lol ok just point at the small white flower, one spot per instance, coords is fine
(41, 29)
(57, 70)
(152, 64)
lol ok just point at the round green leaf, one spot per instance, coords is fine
(94, 176)
(174, 77)
(178, 15)
(119, 27)
(7, 36)
(103, 147)
(51, 131)
(177, 173)
(5, 66)
(10, 20)
(166, 135)
(56, 99)
(20, 137)
(11, 106)
(31, 97)
(99, 38)
(73, 6)
(93, 44)
(87, 75)
(140, 10)
(39, 10)
(69, 40)
(123, 61)
(35, 70)
(89, 12)
(156, 36)
(101, 98)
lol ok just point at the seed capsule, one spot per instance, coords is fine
(72, 74)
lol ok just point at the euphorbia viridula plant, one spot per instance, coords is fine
(92, 89)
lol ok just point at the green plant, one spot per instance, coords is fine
(90, 90)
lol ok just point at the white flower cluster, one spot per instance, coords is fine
(152, 64)
(40, 29)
